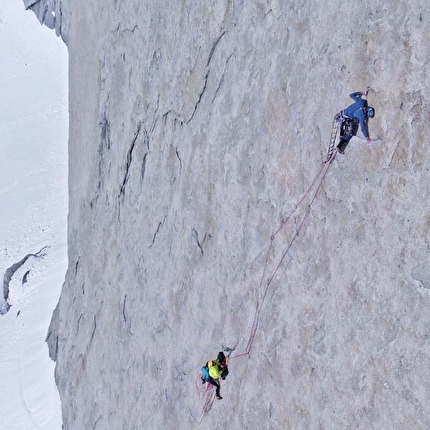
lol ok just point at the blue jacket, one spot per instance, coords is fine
(355, 111)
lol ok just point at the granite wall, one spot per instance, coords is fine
(195, 127)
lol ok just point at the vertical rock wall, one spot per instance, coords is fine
(194, 129)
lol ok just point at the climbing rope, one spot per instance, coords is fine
(334, 130)
(316, 184)
(318, 180)
(208, 394)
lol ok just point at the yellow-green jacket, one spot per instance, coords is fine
(214, 369)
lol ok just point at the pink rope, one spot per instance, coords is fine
(209, 390)
(260, 303)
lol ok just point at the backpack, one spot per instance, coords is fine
(205, 373)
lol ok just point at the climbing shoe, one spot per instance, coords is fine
(340, 150)
(219, 397)
(203, 379)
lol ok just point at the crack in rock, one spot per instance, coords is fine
(195, 235)
(160, 224)
(221, 81)
(143, 166)
(105, 143)
(128, 161)
(104, 134)
(180, 161)
(205, 80)
(97, 421)
(94, 330)
(126, 30)
(126, 321)
(5, 306)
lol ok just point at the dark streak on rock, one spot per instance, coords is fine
(155, 124)
(160, 224)
(146, 140)
(205, 81)
(200, 95)
(105, 133)
(94, 329)
(196, 237)
(146, 143)
(180, 160)
(132, 30)
(128, 161)
(123, 309)
(105, 143)
(78, 323)
(176, 117)
(211, 53)
(221, 81)
(127, 323)
(165, 115)
(142, 169)
(97, 420)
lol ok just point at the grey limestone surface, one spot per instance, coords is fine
(195, 128)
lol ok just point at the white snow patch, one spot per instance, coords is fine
(33, 201)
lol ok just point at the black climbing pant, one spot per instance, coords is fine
(348, 129)
(216, 385)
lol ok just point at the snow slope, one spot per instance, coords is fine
(33, 215)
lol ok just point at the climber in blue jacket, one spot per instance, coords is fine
(352, 116)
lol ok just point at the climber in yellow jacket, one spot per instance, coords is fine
(213, 370)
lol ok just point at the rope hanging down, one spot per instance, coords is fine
(209, 392)
(334, 132)
(316, 186)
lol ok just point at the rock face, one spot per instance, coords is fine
(52, 13)
(195, 127)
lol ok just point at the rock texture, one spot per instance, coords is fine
(195, 127)
(52, 13)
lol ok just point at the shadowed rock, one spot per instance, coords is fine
(5, 306)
